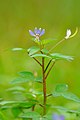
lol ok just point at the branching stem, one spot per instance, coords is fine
(49, 95)
(37, 61)
(48, 65)
(49, 70)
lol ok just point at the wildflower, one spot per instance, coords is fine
(58, 117)
(68, 33)
(37, 33)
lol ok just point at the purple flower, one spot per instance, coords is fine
(58, 117)
(37, 32)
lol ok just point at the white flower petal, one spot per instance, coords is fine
(68, 33)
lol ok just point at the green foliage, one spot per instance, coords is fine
(2, 116)
(33, 50)
(16, 88)
(19, 80)
(33, 115)
(60, 108)
(17, 49)
(27, 104)
(15, 17)
(41, 55)
(16, 111)
(27, 75)
(38, 79)
(55, 56)
(44, 50)
(36, 116)
(24, 77)
(7, 102)
(43, 42)
(58, 56)
(46, 41)
(71, 96)
(34, 105)
(61, 90)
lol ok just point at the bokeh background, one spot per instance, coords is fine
(56, 16)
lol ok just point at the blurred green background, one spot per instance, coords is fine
(16, 18)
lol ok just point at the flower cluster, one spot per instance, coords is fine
(37, 33)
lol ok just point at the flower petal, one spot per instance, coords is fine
(68, 33)
(38, 31)
(55, 117)
(31, 33)
(42, 32)
(35, 30)
(61, 117)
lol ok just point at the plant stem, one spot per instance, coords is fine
(49, 70)
(49, 95)
(48, 65)
(44, 87)
(37, 61)
(33, 108)
(56, 45)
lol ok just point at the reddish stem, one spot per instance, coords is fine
(44, 87)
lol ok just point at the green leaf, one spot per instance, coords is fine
(38, 79)
(37, 93)
(27, 75)
(7, 102)
(19, 80)
(5, 107)
(36, 41)
(67, 95)
(33, 115)
(29, 96)
(60, 108)
(70, 96)
(41, 55)
(46, 41)
(45, 51)
(16, 88)
(17, 49)
(58, 56)
(33, 50)
(61, 88)
(47, 117)
(56, 94)
(16, 111)
(20, 104)
(27, 104)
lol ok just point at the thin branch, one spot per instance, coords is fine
(56, 45)
(41, 105)
(49, 70)
(49, 95)
(37, 61)
(33, 107)
(47, 66)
